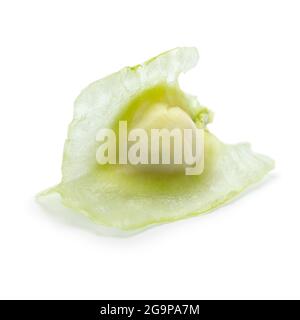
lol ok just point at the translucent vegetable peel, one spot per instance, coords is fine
(133, 200)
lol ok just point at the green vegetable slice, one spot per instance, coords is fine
(114, 197)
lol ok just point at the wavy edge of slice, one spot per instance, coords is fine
(266, 165)
(103, 100)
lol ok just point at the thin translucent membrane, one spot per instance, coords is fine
(126, 200)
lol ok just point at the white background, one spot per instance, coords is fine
(249, 74)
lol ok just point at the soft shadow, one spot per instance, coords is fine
(57, 212)
(267, 180)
